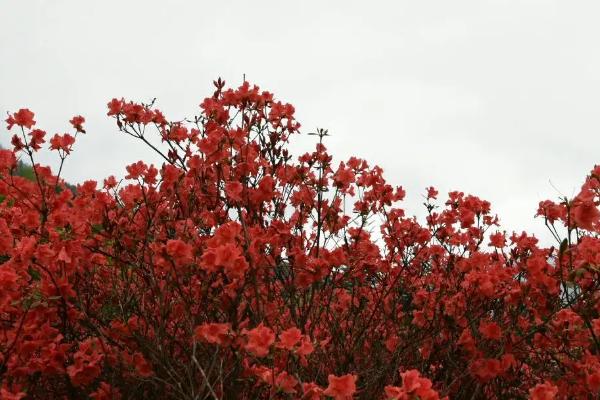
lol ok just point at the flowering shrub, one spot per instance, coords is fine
(234, 271)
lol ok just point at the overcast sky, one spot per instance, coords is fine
(496, 98)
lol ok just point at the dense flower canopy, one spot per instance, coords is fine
(237, 271)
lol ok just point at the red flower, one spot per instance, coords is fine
(136, 170)
(178, 133)
(343, 177)
(180, 251)
(87, 363)
(17, 143)
(490, 330)
(110, 182)
(77, 123)
(8, 278)
(543, 391)
(64, 256)
(413, 386)
(585, 212)
(233, 190)
(341, 387)
(106, 392)
(412, 382)
(289, 338)
(306, 347)
(486, 368)
(115, 107)
(391, 343)
(497, 240)
(593, 381)
(286, 382)
(432, 193)
(62, 142)
(214, 333)
(37, 138)
(260, 340)
(393, 392)
(23, 118)
(311, 391)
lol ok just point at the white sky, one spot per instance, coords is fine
(495, 98)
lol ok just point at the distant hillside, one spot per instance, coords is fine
(26, 171)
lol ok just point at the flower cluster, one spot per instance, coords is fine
(236, 271)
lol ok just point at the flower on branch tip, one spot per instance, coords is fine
(585, 211)
(37, 139)
(115, 106)
(77, 122)
(22, 118)
(62, 142)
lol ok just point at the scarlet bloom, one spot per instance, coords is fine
(413, 386)
(106, 392)
(110, 182)
(8, 278)
(178, 133)
(17, 143)
(180, 251)
(305, 348)
(343, 177)
(37, 138)
(23, 118)
(486, 368)
(233, 190)
(62, 142)
(585, 213)
(115, 107)
(136, 170)
(551, 211)
(260, 340)
(414, 383)
(391, 343)
(490, 330)
(411, 380)
(136, 113)
(311, 391)
(87, 363)
(286, 382)
(77, 122)
(341, 387)
(497, 240)
(214, 333)
(593, 381)
(543, 391)
(289, 338)
(393, 392)
(432, 193)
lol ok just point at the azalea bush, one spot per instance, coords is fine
(236, 270)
